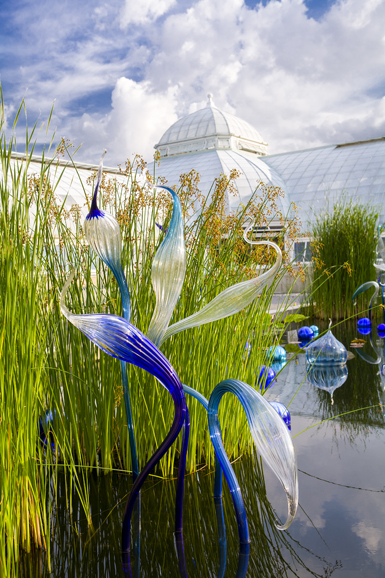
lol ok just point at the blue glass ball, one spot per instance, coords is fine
(305, 333)
(283, 412)
(276, 353)
(266, 377)
(364, 322)
(381, 330)
(314, 329)
(364, 330)
(45, 424)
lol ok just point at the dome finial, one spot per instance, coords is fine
(210, 101)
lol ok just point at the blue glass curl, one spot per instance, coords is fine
(122, 340)
(364, 287)
(271, 438)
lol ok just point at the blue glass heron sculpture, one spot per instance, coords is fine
(119, 338)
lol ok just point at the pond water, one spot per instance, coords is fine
(339, 528)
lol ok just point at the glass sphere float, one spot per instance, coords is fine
(326, 350)
(305, 334)
(283, 412)
(266, 377)
(315, 330)
(276, 353)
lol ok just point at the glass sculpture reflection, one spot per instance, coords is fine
(327, 377)
(118, 337)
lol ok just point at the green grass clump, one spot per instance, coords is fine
(24, 480)
(344, 244)
(47, 365)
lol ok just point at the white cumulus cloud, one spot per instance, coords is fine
(144, 11)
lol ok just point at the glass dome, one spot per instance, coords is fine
(328, 378)
(327, 350)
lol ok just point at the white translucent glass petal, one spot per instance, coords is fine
(103, 234)
(230, 301)
(270, 434)
(168, 272)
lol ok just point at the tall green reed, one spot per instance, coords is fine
(89, 383)
(24, 304)
(48, 366)
(344, 252)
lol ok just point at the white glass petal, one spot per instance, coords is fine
(168, 272)
(270, 434)
(230, 301)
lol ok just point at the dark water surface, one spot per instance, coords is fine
(339, 529)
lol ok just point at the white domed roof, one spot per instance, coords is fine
(210, 128)
(210, 164)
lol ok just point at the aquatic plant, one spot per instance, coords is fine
(120, 339)
(47, 365)
(338, 268)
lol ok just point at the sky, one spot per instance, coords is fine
(118, 73)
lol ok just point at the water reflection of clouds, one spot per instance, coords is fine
(339, 520)
(371, 536)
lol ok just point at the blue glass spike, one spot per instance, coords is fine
(94, 205)
(168, 272)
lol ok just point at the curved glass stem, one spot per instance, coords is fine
(272, 439)
(218, 468)
(365, 287)
(179, 419)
